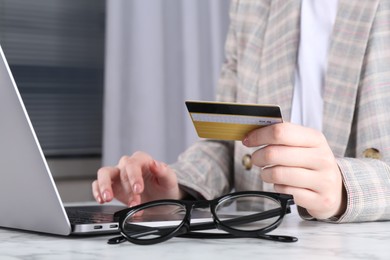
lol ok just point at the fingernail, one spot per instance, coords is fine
(245, 141)
(99, 199)
(137, 188)
(106, 196)
(156, 163)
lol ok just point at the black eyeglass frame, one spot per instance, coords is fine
(186, 229)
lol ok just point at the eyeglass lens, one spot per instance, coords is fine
(248, 212)
(153, 222)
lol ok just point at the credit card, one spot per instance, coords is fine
(230, 121)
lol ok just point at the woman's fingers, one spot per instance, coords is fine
(104, 182)
(317, 158)
(284, 134)
(137, 178)
(299, 161)
(163, 175)
(292, 176)
(96, 192)
(318, 205)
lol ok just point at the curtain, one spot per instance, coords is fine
(159, 53)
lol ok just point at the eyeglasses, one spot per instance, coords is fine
(249, 214)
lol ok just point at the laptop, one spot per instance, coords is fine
(29, 199)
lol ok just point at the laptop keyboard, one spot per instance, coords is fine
(91, 214)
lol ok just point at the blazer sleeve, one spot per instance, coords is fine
(367, 184)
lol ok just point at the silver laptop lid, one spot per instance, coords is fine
(29, 199)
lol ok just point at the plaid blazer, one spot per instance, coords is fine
(261, 52)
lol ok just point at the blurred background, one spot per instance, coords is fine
(101, 79)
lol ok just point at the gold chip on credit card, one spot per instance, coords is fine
(230, 121)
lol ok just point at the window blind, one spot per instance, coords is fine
(55, 49)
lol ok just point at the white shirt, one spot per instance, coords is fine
(317, 20)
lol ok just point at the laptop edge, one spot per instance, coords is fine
(29, 199)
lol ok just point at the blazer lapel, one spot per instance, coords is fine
(279, 54)
(349, 42)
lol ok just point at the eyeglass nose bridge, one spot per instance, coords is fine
(201, 204)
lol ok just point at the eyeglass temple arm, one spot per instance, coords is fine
(239, 220)
(138, 230)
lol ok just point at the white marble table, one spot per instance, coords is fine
(317, 240)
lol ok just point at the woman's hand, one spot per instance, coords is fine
(299, 161)
(136, 179)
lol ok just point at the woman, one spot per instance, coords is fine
(327, 64)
